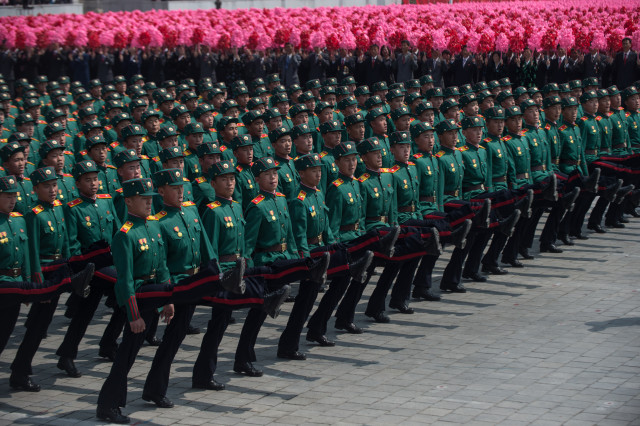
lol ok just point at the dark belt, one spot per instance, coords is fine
(591, 152)
(431, 199)
(452, 193)
(500, 179)
(192, 271)
(619, 146)
(407, 209)
(315, 240)
(570, 162)
(148, 279)
(539, 168)
(229, 257)
(378, 219)
(522, 176)
(52, 257)
(13, 272)
(279, 248)
(473, 188)
(352, 227)
(555, 161)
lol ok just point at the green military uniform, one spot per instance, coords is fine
(497, 159)
(203, 193)
(406, 183)
(288, 178)
(25, 188)
(572, 154)
(90, 220)
(590, 131)
(552, 135)
(632, 120)
(246, 188)
(451, 165)
(378, 193)
(14, 246)
(387, 158)
(477, 177)
(430, 184)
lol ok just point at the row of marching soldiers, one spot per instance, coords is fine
(161, 205)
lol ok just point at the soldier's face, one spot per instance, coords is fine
(27, 128)
(172, 195)
(425, 141)
(632, 103)
(395, 103)
(373, 160)
(616, 100)
(311, 176)
(152, 125)
(514, 124)
(591, 106)
(135, 143)
(174, 163)
(379, 125)
(496, 127)
(304, 144)
(332, 139)
(207, 160)
(569, 114)
(8, 201)
(206, 120)
(229, 132)
(449, 138)
(195, 140)
(356, 131)
(531, 116)
(274, 123)
(88, 184)
(224, 185)
(302, 118)
(27, 148)
(256, 127)
(437, 101)
(244, 154)
(282, 146)
(182, 120)
(552, 113)
(47, 191)
(130, 170)
(471, 109)
(347, 164)
(452, 113)
(55, 159)
(268, 180)
(139, 205)
(325, 115)
(473, 135)
(401, 152)
(604, 104)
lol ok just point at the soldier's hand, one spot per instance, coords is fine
(137, 326)
(167, 313)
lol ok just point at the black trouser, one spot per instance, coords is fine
(114, 390)
(8, 319)
(290, 337)
(158, 378)
(476, 242)
(245, 352)
(207, 361)
(404, 273)
(318, 322)
(423, 277)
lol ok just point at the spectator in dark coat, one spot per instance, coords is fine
(625, 66)
(288, 65)
(464, 68)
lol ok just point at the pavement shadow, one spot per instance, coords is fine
(618, 322)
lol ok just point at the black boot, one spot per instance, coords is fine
(232, 280)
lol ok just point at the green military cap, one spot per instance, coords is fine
(629, 92)
(43, 174)
(513, 111)
(255, 102)
(5, 96)
(42, 79)
(22, 82)
(293, 88)
(9, 184)
(379, 86)
(306, 96)
(551, 100)
(469, 122)
(113, 104)
(170, 152)
(24, 118)
(79, 91)
(397, 138)
(29, 103)
(221, 85)
(140, 186)
(182, 88)
(193, 128)
(347, 81)
(412, 97)
(227, 105)
(588, 95)
(327, 90)
(395, 93)
(361, 91)
(207, 148)
(95, 83)
(164, 97)
(330, 126)
(347, 102)
(354, 119)
(52, 128)
(33, 94)
(373, 102)
(504, 82)
(119, 79)
(520, 90)
(149, 85)
(263, 164)
(424, 106)
(602, 93)
(448, 104)
(93, 141)
(502, 96)
(240, 90)
(54, 93)
(168, 83)
(135, 78)
(331, 81)
(565, 88)
(467, 98)
(533, 90)
(480, 86)
(398, 86)
(270, 113)
(344, 148)
(301, 129)
(49, 145)
(125, 156)
(575, 84)
(374, 113)
(277, 133)
(446, 125)
(83, 167)
(225, 121)
(550, 87)
(201, 110)
(250, 117)
(321, 105)
(412, 84)
(426, 79)
(19, 136)
(260, 91)
(279, 94)
(171, 177)
(64, 80)
(465, 89)
(257, 82)
(189, 82)
(150, 113)
(451, 91)
(369, 145)
(495, 113)
(434, 92)
(92, 124)
(86, 112)
(114, 96)
(241, 140)
(307, 161)
(132, 130)
(10, 148)
(298, 109)
(342, 91)
(137, 103)
(138, 93)
(273, 78)
(53, 114)
(527, 103)
(178, 110)
(166, 131)
(613, 90)
(484, 94)
(398, 112)
(221, 168)
(569, 101)
(419, 127)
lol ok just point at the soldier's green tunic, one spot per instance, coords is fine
(431, 185)
(329, 169)
(89, 221)
(345, 208)
(378, 199)
(477, 175)
(139, 258)
(262, 147)
(48, 238)
(540, 153)
(406, 186)
(451, 172)
(619, 135)
(67, 190)
(591, 138)
(519, 172)
(14, 247)
(223, 220)
(203, 193)
(246, 187)
(288, 178)
(553, 141)
(633, 129)
(25, 195)
(269, 225)
(604, 124)
(387, 158)
(572, 153)
(310, 220)
(497, 161)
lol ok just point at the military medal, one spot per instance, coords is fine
(88, 219)
(50, 226)
(376, 194)
(453, 168)
(178, 231)
(250, 184)
(474, 162)
(405, 184)
(272, 215)
(350, 198)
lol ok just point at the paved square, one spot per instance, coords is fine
(557, 342)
